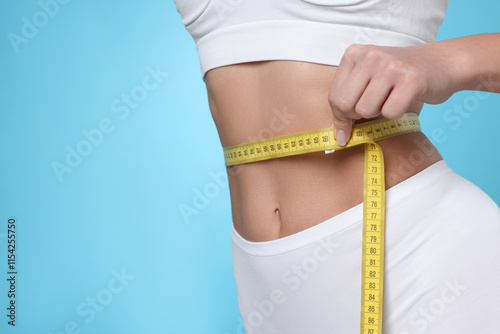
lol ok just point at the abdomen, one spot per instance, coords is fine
(275, 198)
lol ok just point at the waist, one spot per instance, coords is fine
(276, 198)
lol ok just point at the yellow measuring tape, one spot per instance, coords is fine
(372, 272)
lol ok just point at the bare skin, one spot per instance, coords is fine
(374, 80)
(275, 198)
(257, 100)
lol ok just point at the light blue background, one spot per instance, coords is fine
(119, 209)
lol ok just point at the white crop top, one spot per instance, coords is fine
(237, 31)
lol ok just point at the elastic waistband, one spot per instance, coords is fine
(343, 220)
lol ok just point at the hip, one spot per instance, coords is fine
(441, 234)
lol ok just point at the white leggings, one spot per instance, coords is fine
(442, 269)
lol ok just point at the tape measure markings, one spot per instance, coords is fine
(372, 266)
(373, 240)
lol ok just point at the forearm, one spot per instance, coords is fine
(475, 61)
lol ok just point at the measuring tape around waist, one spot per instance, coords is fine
(372, 267)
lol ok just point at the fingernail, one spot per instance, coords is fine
(340, 137)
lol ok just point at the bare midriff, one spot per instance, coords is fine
(275, 198)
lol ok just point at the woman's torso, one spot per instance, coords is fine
(275, 198)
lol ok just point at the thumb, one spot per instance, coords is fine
(342, 128)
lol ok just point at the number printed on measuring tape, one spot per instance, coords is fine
(372, 266)
(318, 140)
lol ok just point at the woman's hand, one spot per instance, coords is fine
(375, 80)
